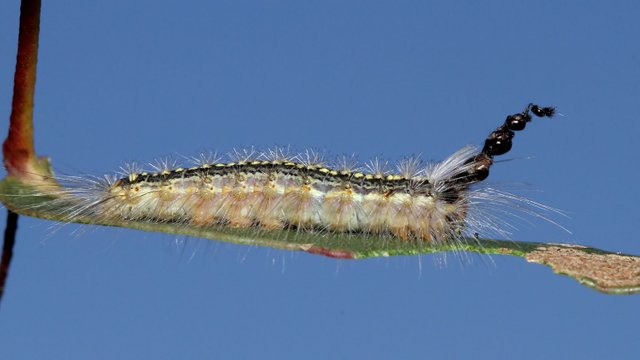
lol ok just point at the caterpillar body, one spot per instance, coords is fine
(433, 203)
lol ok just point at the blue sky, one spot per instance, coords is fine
(137, 80)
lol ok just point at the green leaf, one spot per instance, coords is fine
(607, 272)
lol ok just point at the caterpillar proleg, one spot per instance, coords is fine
(432, 203)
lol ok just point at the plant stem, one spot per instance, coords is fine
(7, 248)
(18, 150)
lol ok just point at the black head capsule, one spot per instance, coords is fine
(480, 170)
(517, 122)
(543, 111)
(479, 174)
(498, 143)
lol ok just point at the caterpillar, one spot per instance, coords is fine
(432, 203)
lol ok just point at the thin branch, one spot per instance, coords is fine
(18, 150)
(7, 248)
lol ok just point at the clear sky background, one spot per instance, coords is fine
(136, 80)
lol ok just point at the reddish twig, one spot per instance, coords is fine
(18, 150)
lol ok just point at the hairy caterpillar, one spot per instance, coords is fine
(435, 203)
